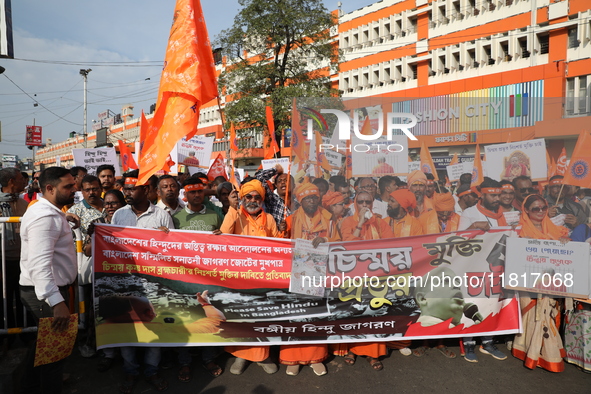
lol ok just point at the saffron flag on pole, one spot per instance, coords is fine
(321, 159)
(578, 172)
(188, 81)
(477, 175)
(269, 143)
(233, 179)
(427, 165)
(127, 161)
(561, 163)
(298, 143)
(551, 165)
(217, 168)
(233, 141)
(454, 160)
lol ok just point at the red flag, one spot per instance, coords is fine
(217, 168)
(127, 161)
(233, 141)
(578, 172)
(561, 163)
(477, 175)
(188, 81)
(427, 165)
(269, 143)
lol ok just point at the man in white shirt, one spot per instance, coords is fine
(48, 268)
(168, 195)
(485, 214)
(140, 212)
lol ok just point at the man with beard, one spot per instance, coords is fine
(106, 176)
(168, 192)
(430, 186)
(140, 212)
(417, 183)
(442, 219)
(275, 203)
(48, 269)
(400, 203)
(387, 184)
(310, 220)
(34, 191)
(250, 219)
(485, 214)
(196, 216)
(523, 187)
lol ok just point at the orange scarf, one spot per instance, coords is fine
(498, 216)
(549, 229)
(259, 223)
(309, 228)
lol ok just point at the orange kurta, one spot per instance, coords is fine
(302, 354)
(374, 228)
(406, 227)
(256, 354)
(371, 349)
(431, 225)
(306, 227)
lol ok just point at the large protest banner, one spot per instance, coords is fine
(146, 283)
(91, 159)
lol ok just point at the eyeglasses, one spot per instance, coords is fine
(364, 202)
(527, 190)
(250, 197)
(35, 177)
(539, 209)
(93, 189)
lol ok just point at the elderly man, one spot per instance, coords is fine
(370, 186)
(250, 219)
(400, 203)
(34, 191)
(560, 203)
(417, 183)
(13, 183)
(168, 193)
(48, 269)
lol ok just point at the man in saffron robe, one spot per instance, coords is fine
(382, 168)
(364, 225)
(442, 219)
(400, 203)
(250, 219)
(417, 183)
(311, 222)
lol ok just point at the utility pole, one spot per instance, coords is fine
(84, 74)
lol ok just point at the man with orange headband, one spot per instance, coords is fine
(417, 183)
(430, 189)
(400, 203)
(250, 219)
(466, 198)
(507, 197)
(442, 219)
(310, 220)
(485, 214)
(560, 203)
(195, 216)
(334, 202)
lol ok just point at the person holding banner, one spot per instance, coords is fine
(443, 219)
(250, 219)
(560, 203)
(485, 214)
(466, 198)
(540, 344)
(364, 225)
(196, 216)
(400, 203)
(168, 195)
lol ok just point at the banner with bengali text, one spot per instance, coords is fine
(146, 283)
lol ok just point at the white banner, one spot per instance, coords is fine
(92, 158)
(195, 154)
(508, 161)
(271, 163)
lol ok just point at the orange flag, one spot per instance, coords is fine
(269, 143)
(298, 143)
(321, 159)
(366, 128)
(167, 164)
(561, 163)
(477, 175)
(578, 172)
(233, 140)
(217, 168)
(127, 161)
(427, 165)
(188, 81)
(454, 160)
(233, 179)
(551, 165)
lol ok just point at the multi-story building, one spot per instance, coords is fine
(436, 54)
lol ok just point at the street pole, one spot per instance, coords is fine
(84, 74)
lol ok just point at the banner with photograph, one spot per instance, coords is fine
(92, 158)
(194, 154)
(146, 284)
(508, 161)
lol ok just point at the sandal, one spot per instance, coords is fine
(349, 358)
(213, 369)
(185, 374)
(128, 384)
(375, 363)
(159, 383)
(446, 352)
(420, 351)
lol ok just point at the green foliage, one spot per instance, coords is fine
(274, 52)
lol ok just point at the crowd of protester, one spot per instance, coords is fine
(276, 204)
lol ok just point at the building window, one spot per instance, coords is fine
(544, 40)
(523, 46)
(578, 96)
(413, 68)
(573, 39)
(472, 58)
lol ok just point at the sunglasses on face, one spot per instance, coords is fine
(527, 190)
(250, 197)
(364, 202)
(539, 209)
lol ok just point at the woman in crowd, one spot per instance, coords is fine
(540, 344)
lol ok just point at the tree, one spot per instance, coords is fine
(276, 50)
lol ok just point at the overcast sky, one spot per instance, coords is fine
(123, 42)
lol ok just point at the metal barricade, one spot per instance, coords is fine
(78, 294)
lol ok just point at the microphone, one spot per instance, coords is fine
(471, 312)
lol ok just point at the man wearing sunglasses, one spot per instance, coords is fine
(523, 187)
(559, 201)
